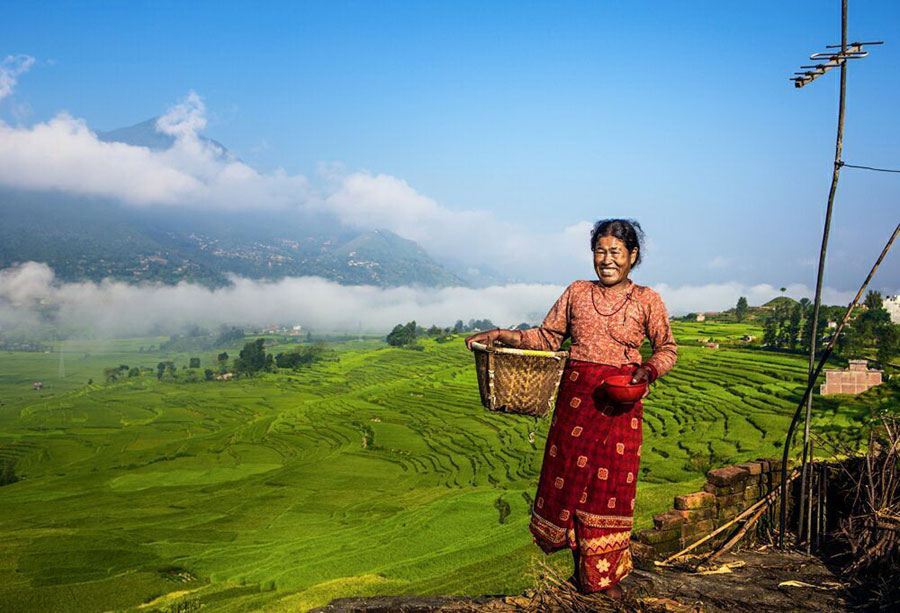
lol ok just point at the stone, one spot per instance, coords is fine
(754, 468)
(727, 475)
(775, 464)
(731, 500)
(727, 513)
(722, 490)
(695, 515)
(693, 531)
(644, 553)
(654, 537)
(668, 520)
(697, 500)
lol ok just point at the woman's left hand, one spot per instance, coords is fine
(641, 375)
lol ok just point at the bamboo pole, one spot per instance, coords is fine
(769, 497)
(835, 175)
(824, 358)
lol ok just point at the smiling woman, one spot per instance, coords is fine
(586, 492)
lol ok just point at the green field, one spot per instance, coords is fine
(374, 472)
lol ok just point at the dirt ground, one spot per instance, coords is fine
(754, 581)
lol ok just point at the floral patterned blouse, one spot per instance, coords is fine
(607, 326)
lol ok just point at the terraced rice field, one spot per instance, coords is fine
(375, 473)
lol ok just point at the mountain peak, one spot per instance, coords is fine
(145, 134)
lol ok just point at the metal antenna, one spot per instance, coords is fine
(828, 60)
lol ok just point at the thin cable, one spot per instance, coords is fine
(868, 168)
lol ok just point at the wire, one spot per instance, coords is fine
(868, 167)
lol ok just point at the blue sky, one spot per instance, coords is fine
(544, 115)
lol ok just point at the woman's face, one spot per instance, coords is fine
(612, 260)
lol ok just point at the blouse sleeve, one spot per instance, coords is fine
(551, 334)
(665, 351)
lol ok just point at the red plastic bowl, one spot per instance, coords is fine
(618, 388)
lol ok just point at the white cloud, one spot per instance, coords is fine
(117, 308)
(64, 154)
(184, 120)
(11, 68)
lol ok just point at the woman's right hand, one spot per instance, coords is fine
(510, 338)
(485, 338)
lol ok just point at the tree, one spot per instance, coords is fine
(208, 373)
(873, 300)
(459, 326)
(160, 369)
(170, 368)
(887, 341)
(134, 372)
(194, 363)
(741, 309)
(402, 334)
(253, 358)
(783, 290)
(793, 326)
(770, 332)
(302, 356)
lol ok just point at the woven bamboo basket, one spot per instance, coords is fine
(519, 381)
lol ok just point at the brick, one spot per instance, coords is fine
(655, 537)
(754, 468)
(695, 515)
(692, 531)
(774, 463)
(766, 465)
(668, 547)
(644, 555)
(697, 500)
(724, 490)
(727, 475)
(731, 500)
(751, 493)
(728, 512)
(668, 520)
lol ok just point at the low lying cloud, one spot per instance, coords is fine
(11, 68)
(31, 291)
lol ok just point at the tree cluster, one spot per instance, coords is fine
(402, 334)
(253, 358)
(474, 325)
(790, 327)
(301, 357)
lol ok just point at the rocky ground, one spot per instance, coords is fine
(757, 581)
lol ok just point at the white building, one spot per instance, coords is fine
(892, 306)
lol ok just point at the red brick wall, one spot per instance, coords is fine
(851, 381)
(727, 492)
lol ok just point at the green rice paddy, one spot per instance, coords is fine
(376, 472)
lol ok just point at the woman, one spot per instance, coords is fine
(585, 496)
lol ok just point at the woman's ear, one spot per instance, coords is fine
(634, 255)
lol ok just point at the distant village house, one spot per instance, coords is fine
(892, 306)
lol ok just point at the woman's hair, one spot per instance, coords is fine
(626, 230)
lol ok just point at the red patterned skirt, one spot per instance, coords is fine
(585, 496)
